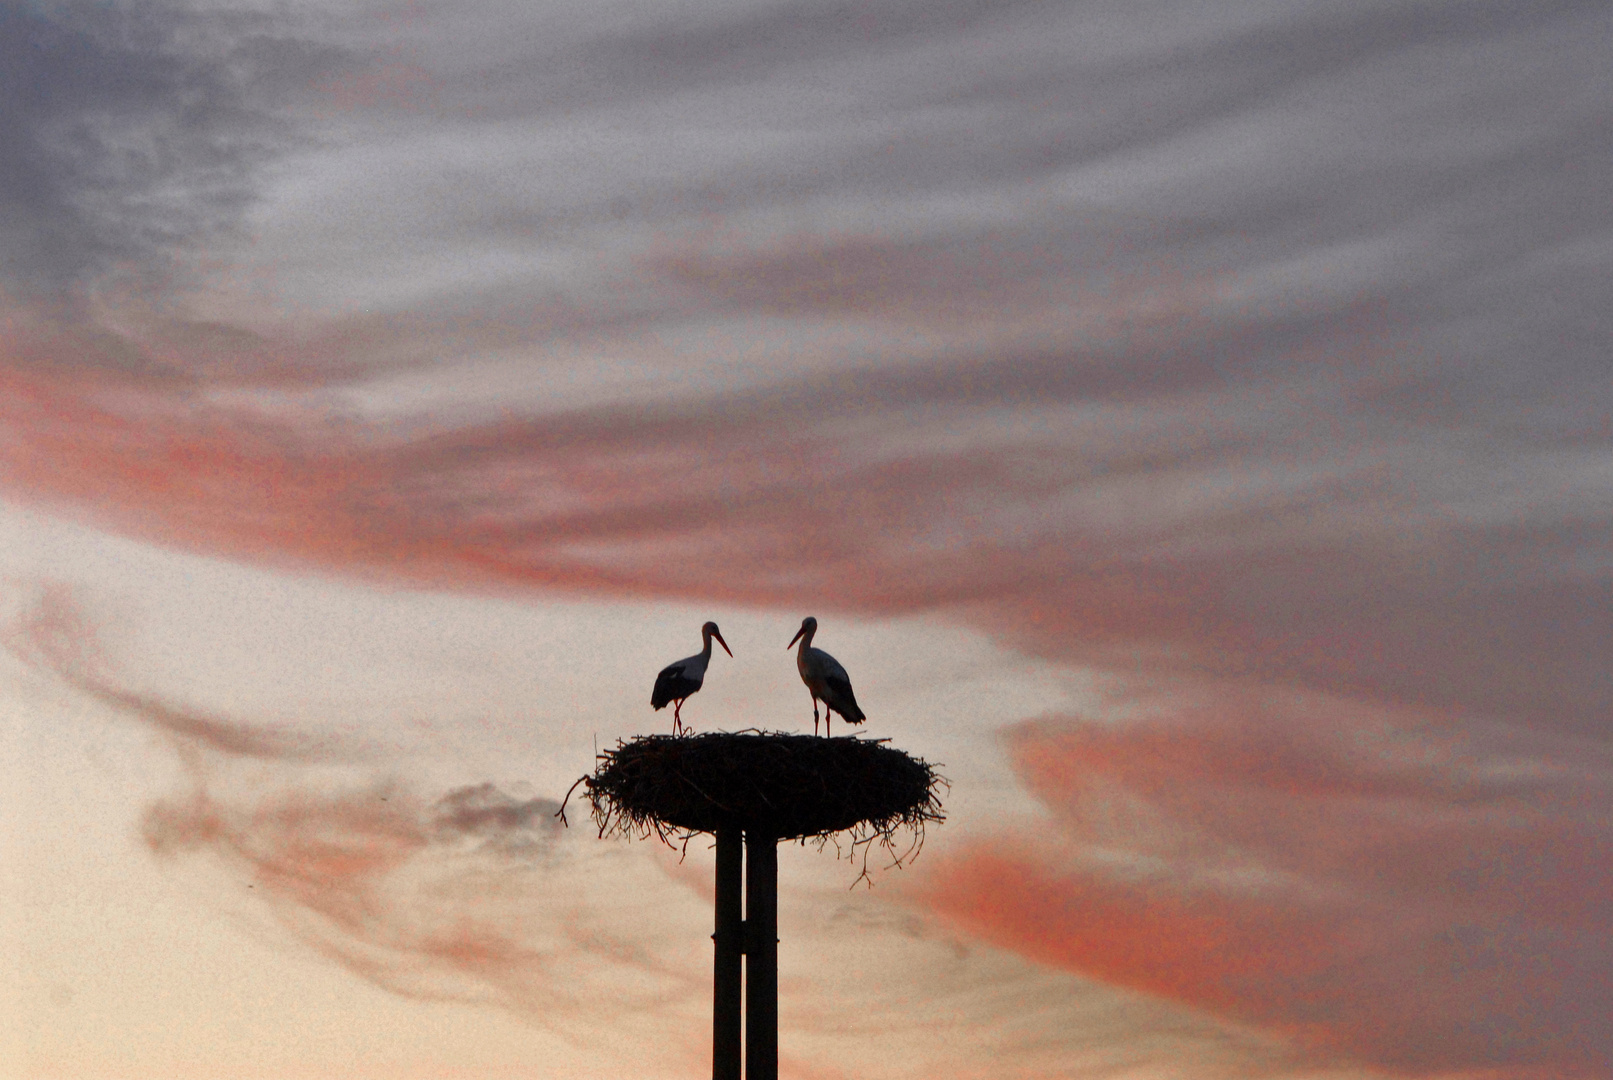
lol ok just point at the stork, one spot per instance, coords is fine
(677, 681)
(825, 678)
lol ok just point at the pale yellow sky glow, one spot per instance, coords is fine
(139, 966)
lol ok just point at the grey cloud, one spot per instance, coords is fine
(976, 94)
(1466, 145)
(484, 812)
(131, 128)
(1425, 175)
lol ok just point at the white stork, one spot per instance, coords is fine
(677, 681)
(825, 678)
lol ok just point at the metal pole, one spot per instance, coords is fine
(729, 939)
(761, 955)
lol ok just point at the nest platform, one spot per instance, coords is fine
(793, 787)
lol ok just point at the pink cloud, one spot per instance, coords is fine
(753, 499)
(406, 893)
(1414, 901)
(471, 896)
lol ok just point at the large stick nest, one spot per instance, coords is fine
(793, 787)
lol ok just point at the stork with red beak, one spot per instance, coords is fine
(825, 678)
(677, 681)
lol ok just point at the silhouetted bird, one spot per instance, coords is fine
(677, 681)
(825, 678)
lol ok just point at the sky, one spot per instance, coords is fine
(1191, 424)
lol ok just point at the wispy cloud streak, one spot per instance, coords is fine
(471, 896)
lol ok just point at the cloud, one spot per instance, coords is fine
(383, 883)
(483, 812)
(1211, 349)
(1218, 530)
(54, 635)
(132, 129)
(475, 895)
(1419, 902)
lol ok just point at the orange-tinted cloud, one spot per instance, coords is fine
(1418, 902)
(1105, 531)
(424, 899)
(474, 895)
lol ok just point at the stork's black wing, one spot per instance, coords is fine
(673, 685)
(841, 699)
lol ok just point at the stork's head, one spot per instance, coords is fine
(710, 631)
(809, 626)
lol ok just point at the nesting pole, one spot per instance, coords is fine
(730, 947)
(751, 790)
(761, 954)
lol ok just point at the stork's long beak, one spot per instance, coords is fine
(797, 636)
(718, 639)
